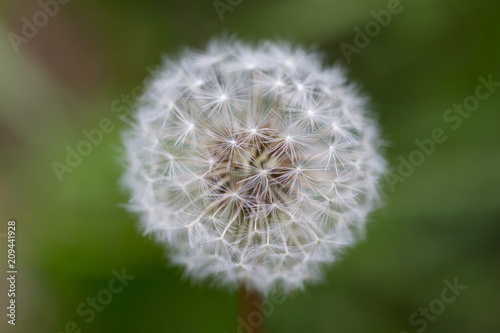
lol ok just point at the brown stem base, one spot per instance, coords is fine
(251, 317)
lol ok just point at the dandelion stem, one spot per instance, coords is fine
(250, 314)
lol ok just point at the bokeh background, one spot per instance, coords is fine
(442, 222)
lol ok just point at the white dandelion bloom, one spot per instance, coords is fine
(253, 165)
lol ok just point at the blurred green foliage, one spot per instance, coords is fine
(442, 222)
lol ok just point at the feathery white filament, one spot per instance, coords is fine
(253, 164)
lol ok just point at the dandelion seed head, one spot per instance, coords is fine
(259, 168)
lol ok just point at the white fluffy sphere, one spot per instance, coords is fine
(254, 165)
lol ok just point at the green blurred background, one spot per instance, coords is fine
(442, 222)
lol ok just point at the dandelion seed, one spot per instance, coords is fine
(254, 166)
